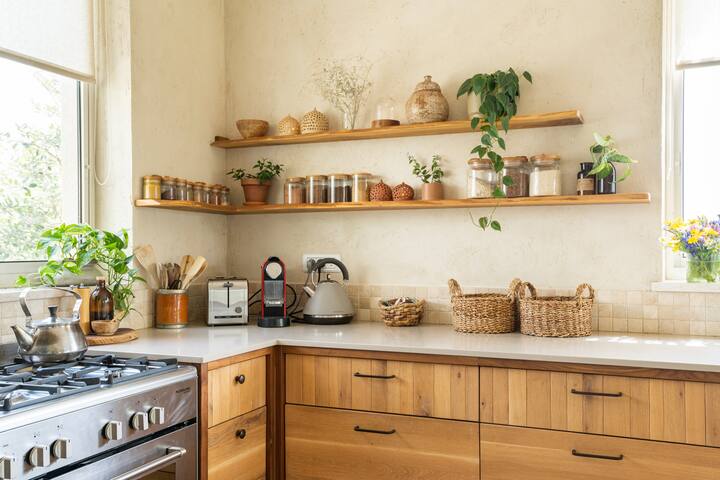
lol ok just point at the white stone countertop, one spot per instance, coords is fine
(200, 344)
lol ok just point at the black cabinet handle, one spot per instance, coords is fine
(240, 379)
(358, 428)
(596, 394)
(241, 434)
(594, 455)
(365, 375)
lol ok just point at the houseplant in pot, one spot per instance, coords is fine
(699, 240)
(605, 154)
(432, 188)
(256, 184)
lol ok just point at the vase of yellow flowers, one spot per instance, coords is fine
(699, 240)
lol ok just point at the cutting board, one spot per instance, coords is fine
(121, 336)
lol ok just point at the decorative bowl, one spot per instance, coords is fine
(250, 128)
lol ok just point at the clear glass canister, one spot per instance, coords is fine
(225, 196)
(517, 169)
(190, 190)
(361, 187)
(294, 190)
(339, 188)
(482, 179)
(169, 188)
(206, 194)
(544, 175)
(316, 189)
(181, 186)
(198, 192)
(215, 194)
(152, 187)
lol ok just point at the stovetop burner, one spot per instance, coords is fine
(23, 384)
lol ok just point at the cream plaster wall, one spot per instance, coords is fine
(600, 57)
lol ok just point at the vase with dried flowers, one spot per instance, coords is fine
(345, 84)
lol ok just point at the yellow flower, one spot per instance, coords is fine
(676, 224)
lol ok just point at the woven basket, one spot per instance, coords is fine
(555, 316)
(483, 312)
(314, 122)
(402, 314)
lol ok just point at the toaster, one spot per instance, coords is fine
(227, 301)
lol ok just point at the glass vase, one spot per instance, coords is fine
(349, 121)
(703, 269)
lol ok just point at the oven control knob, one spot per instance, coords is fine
(39, 456)
(61, 448)
(157, 415)
(7, 468)
(113, 430)
(139, 421)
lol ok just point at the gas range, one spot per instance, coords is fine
(102, 417)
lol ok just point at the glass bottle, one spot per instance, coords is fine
(585, 181)
(481, 179)
(607, 184)
(102, 306)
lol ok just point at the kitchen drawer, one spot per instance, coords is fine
(422, 389)
(667, 410)
(512, 453)
(332, 444)
(236, 448)
(235, 390)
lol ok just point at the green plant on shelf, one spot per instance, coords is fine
(432, 174)
(604, 154)
(264, 170)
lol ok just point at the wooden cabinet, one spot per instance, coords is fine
(236, 448)
(512, 453)
(236, 389)
(388, 386)
(331, 444)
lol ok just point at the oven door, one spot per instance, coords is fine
(172, 456)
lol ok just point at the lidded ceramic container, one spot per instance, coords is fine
(314, 122)
(427, 103)
(288, 126)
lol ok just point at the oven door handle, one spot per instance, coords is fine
(171, 456)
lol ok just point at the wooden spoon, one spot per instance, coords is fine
(185, 263)
(145, 256)
(197, 267)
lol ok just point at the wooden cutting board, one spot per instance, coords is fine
(121, 336)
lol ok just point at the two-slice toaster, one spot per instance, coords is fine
(227, 301)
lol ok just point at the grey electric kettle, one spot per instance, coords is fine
(329, 303)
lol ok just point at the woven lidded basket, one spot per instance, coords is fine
(401, 314)
(314, 122)
(483, 312)
(555, 316)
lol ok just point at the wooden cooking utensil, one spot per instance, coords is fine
(197, 267)
(185, 263)
(145, 255)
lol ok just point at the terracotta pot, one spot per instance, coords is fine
(432, 191)
(256, 192)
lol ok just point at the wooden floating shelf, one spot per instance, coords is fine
(556, 119)
(564, 200)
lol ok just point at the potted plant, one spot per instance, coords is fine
(256, 185)
(430, 176)
(605, 155)
(699, 239)
(497, 93)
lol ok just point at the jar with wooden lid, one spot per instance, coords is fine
(517, 169)
(482, 178)
(225, 196)
(190, 190)
(544, 175)
(181, 185)
(152, 189)
(294, 190)
(316, 189)
(198, 192)
(206, 193)
(361, 186)
(339, 188)
(215, 194)
(168, 189)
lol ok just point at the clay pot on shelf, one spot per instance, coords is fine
(432, 191)
(251, 128)
(256, 192)
(427, 103)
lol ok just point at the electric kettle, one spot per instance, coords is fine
(329, 303)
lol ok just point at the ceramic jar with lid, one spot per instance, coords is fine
(427, 103)
(481, 179)
(294, 191)
(544, 175)
(517, 169)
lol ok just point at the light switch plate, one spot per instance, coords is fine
(317, 256)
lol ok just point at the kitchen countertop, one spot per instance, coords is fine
(201, 344)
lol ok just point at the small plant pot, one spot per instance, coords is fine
(256, 192)
(432, 191)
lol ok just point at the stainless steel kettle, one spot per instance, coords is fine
(52, 339)
(329, 303)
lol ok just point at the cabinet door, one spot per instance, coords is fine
(235, 390)
(332, 444)
(236, 448)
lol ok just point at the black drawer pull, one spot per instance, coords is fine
(365, 375)
(596, 394)
(241, 434)
(358, 428)
(240, 379)
(594, 455)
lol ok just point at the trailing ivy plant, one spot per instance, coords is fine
(426, 174)
(604, 154)
(265, 170)
(497, 93)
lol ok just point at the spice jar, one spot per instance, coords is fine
(339, 188)
(294, 190)
(544, 175)
(215, 194)
(316, 189)
(151, 187)
(482, 179)
(198, 192)
(190, 191)
(585, 181)
(517, 169)
(168, 190)
(361, 187)
(225, 196)
(181, 188)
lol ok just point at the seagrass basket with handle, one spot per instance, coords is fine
(555, 316)
(483, 312)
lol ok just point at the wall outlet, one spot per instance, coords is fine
(316, 256)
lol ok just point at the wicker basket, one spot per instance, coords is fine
(555, 316)
(483, 312)
(402, 314)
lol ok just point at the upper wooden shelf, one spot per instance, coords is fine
(556, 119)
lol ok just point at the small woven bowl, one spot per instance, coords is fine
(250, 128)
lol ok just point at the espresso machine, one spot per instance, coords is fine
(273, 301)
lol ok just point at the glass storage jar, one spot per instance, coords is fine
(215, 194)
(482, 179)
(225, 196)
(206, 192)
(151, 187)
(294, 191)
(190, 190)
(181, 187)
(169, 188)
(198, 192)
(517, 169)
(544, 175)
(361, 187)
(316, 189)
(339, 188)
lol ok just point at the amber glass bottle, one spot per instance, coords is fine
(101, 302)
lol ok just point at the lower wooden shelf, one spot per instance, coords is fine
(562, 200)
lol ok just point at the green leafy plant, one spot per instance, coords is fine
(431, 174)
(604, 154)
(264, 171)
(71, 248)
(497, 93)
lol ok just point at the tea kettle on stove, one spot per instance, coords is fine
(52, 339)
(329, 303)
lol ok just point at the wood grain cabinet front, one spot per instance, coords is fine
(332, 444)
(235, 390)
(513, 453)
(236, 448)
